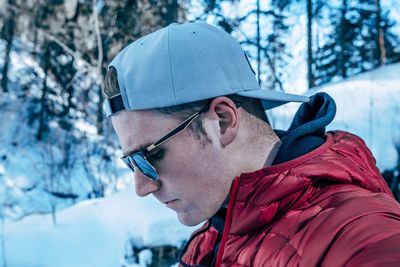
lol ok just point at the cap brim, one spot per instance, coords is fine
(272, 99)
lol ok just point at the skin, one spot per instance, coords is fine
(195, 179)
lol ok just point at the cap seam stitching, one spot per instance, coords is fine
(233, 54)
(170, 66)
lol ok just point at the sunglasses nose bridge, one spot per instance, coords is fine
(130, 163)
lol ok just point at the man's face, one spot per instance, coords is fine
(194, 179)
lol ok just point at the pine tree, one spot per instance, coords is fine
(388, 40)
(276, 53)
(310, 61)
(331, 57)
(359, 35)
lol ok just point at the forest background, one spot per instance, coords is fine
(58, 149)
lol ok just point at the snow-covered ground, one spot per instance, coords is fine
(368, 105)
(92, 233)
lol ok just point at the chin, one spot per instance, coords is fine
(188, 219)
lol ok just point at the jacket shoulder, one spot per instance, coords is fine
(351, 223)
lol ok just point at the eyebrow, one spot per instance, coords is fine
(136, 149)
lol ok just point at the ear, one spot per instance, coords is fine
(225, 111)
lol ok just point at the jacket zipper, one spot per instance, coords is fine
(228, 221)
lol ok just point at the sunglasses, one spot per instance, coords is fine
(139, 159)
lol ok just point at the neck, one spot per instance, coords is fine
(272, 154)
(262, 155)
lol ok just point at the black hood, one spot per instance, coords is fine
(307, 131)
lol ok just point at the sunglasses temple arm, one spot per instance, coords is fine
(182, 127)
(175, 131)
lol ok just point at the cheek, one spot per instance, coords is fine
(203, 184)
(199, 181)
(196, 172)
(195, 169)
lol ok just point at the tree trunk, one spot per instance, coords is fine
(43, 104)
(380, 40)
(8, 35)
(99, 67)
(171, 14)
(342, 41)
(310, 76)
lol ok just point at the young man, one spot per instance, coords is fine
(190, 119)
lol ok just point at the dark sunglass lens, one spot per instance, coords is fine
(129, 162)
(145, 167)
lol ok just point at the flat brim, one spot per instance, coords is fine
(272, 99)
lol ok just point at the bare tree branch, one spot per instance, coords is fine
(74, 54)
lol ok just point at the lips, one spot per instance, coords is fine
(168, 202)
(172, 204)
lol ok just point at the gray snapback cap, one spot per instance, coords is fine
(183, 63)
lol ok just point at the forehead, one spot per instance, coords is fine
(140, 127)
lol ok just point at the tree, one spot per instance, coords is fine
(310, 76)
(276, 52)
(266, 46)
(7, 33)
(360, 35)
(380, 36)
(73, 42)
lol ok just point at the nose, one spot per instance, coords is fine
(144, 185)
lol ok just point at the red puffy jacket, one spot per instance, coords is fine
(330, 207)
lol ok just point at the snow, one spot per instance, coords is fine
(70, 8)
(93, 233)
(368, 105)
(86, 127)
(28, 166)
(145, 258)
(96, 232)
